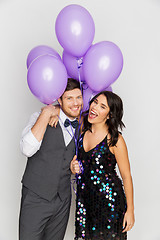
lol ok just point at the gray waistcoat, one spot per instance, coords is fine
(48, 170)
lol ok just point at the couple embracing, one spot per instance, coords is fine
(104, 209)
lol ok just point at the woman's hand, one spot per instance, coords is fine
(74, 166)
(128, 220)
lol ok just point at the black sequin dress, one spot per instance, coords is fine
(101, 202)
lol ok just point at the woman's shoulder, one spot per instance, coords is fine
(84, 131)
(120, 145)
(120, 139)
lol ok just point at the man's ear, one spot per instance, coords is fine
(60, 101)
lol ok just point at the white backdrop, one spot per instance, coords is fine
(134, 27)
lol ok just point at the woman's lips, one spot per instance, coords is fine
(92, 114)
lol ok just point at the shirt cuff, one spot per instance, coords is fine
(31, 139)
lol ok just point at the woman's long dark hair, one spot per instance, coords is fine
(114, 122)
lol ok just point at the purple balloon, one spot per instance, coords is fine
(47, 78)
(40, 51)
(102, 65)
(88, 94)
(109, 89)
(75, 29)
(72, 63)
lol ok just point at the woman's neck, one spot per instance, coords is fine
(97, 128)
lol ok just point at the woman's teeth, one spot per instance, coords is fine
(93, 114)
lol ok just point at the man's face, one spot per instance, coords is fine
(71, 103)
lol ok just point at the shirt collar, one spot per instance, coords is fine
(63, 116)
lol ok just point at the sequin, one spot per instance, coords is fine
(100, 203)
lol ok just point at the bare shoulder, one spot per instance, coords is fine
(120, 145)
(121, 140)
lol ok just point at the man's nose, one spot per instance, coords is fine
(75, 101)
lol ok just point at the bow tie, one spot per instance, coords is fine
(73, 123)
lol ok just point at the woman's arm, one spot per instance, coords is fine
(121, 154)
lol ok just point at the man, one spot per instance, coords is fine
(46, 192)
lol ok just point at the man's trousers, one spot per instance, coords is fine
(41, 219)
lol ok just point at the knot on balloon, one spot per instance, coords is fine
(79, 62)
(85, 86)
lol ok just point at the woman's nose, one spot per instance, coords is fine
(95, 106)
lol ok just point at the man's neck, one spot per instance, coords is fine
(62, 113)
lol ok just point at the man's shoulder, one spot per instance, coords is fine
(35, 115)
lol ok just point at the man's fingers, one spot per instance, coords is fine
(53, 121)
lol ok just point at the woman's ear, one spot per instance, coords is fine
(108, 116)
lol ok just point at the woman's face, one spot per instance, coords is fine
(99, 110)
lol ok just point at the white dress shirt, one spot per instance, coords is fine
(29, 145)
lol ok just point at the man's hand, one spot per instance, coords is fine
(43, 120)
(51, 110)
(74, 166)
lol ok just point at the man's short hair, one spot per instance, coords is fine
(72, 84)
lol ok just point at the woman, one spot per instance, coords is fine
(103, 210)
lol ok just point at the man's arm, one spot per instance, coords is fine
(39, 127)
(33, 133)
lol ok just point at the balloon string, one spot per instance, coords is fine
(79, 65)
(73, 181)
(76, 145)
(71, 134)
(75, 140)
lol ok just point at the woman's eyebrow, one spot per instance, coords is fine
(103, 105)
